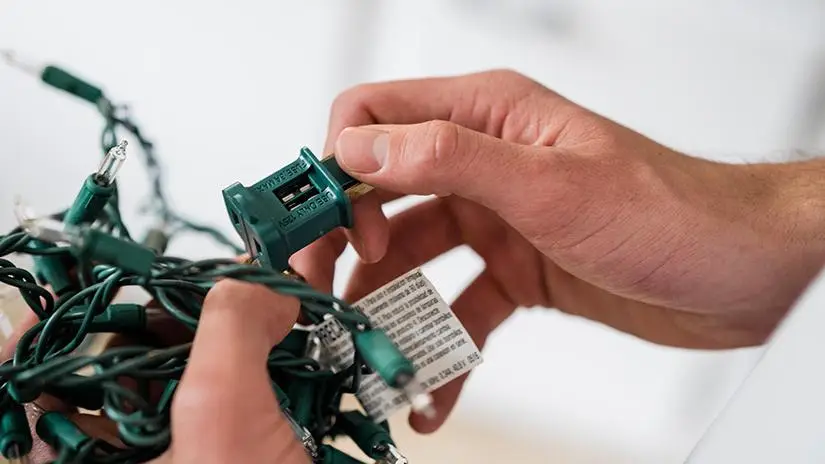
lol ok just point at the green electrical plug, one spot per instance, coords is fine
(373, 439)
(96, 191)
(291, 208)
(15, 435)
(60, 433)
(116, 318)
(383, 357)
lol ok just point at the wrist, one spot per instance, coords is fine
(784, 204)
(759, 232)
(798, 197)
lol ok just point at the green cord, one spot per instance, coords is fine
(46, 359)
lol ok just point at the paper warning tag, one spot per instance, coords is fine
(422, 326)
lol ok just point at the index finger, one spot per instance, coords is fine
(499, 103)
(481, 101)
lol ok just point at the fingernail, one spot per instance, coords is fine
(362, 149)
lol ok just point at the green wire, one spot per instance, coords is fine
(46, 357)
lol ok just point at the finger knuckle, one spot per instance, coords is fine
(227, 289)
(189, 402)
(507, 74)
(352, 98)
(513, 81)
(443, 143)
(428, 149)
(242, 298)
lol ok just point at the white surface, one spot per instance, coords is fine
(778, 415)
(230, 90)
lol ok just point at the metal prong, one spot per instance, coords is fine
(358, 190)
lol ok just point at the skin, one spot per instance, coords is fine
(225, 409)
(568, 209)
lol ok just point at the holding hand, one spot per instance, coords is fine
(224, 409)
(568, 210)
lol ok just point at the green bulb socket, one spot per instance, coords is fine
(61, 79)
(371, 438)
(53, 270)
(86, 208)
(20, 395)
(383, 357)
(96, 245)
(89, 202)
(59, 432)
(116, 318)
(14, 431)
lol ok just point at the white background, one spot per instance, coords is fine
(231, 90)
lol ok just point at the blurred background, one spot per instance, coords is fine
(230, 91)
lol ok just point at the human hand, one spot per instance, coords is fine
(568, 210)
(224, 409)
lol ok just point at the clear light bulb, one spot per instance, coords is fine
(28, 66)
(42, 228)
(22, 212)
(111, 163)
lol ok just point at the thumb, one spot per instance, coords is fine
(225, 409)
(441, 158)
